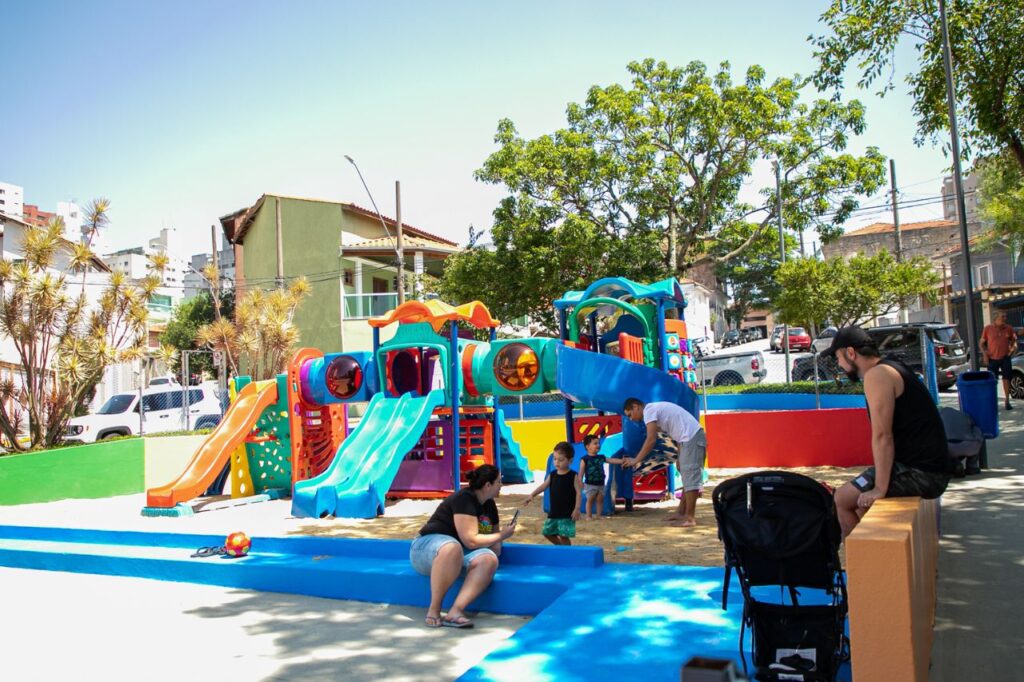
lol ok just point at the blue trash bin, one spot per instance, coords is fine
(978, 398)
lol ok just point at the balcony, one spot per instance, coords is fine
(363, 306)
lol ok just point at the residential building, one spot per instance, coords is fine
(705, 310)
(195, 281)
(12, 239)
(998, 283)
(33, 216)
(12, 199)
(73, 217)
(762, 320)
(949, 211)
(931, 239)
(345, 252)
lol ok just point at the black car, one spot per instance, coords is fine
(903, 342)
(732, 338)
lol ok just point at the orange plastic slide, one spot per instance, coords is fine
(215, 451)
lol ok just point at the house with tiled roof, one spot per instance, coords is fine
(997, 269)
(931, 239)
(348, 254)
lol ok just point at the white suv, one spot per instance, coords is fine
(164, 410)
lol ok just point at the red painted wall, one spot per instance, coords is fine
(789, 438)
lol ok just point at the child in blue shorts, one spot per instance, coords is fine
(564, 504)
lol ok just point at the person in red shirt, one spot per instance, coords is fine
(998, 345)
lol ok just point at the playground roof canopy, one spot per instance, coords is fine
(620, 287)
(437, 313)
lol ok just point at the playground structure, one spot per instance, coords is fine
(644, 325)
(431, 415)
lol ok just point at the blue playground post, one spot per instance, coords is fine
(454, 382)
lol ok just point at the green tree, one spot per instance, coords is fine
(535, 259)
(853, 291)
(1001, 198)
(985, 39)
(668, 156)
(261, 338)
(183, 329)
(63, 341)
(752, 275)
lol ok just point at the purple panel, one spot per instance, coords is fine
(423, 475)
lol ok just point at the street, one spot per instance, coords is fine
(775, 362)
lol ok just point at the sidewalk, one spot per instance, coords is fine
(978, 631)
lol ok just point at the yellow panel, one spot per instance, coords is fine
(536, 438)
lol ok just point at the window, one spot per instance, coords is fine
(349, 278)
(983, 275)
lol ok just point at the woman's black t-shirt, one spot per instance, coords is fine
(563, 494)
(462, 502)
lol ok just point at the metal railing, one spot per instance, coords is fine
(363, 306)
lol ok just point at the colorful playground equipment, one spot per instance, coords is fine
(643, 352)
(431, 390)
(269, 436)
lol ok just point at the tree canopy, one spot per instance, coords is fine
(988, 62)
(644, 177)
(846, 292)
(183, 328)
(751, 276)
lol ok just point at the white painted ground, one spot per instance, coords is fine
(68, 626)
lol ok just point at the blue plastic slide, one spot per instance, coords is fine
(359, 477)
(514, 467)
(605, 381)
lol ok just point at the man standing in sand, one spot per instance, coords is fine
(686, 431)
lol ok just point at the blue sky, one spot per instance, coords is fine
(182, 112)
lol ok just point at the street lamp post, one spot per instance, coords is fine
(958, 184)
(397, 246)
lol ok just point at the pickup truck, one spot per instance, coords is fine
(731, 369)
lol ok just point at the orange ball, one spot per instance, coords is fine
(237, 544)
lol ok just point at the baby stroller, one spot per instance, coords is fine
(966, 441)
(781, 536)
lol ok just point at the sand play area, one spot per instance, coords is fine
(641, 536)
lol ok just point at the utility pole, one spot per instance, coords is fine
(399, 247)
(904, 316)
(961, 208)
(782, 254)
(184, 389)
(279, 280)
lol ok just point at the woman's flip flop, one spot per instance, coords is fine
(461, 622)
(432, 621)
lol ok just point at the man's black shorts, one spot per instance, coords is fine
(906, 482)
(1001, 368)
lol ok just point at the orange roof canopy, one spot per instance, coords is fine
(437, 313)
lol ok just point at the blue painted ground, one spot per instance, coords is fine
(592, 621)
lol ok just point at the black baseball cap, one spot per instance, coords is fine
(849, 337)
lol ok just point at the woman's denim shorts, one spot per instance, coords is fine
(425, 548)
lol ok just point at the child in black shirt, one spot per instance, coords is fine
(564, 507)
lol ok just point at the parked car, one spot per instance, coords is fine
(729, 369)
(163, 410)
(904, 343)
(824, 340)
(731, 338)
(774, 343)
(799, 340)
(164, 381)
(702, 346)
(1017, 377)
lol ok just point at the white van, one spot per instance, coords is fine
(164, 411)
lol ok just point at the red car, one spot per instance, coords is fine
(799, 340)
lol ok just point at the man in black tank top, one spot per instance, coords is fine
(908, 442)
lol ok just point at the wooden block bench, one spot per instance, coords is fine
(891, 561)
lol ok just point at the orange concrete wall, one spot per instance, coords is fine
(891, 561)
(789, 438)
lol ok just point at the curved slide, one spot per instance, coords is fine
(213, 454)
(605, 381)
(359, 477)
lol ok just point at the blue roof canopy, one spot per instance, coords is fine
(619, 287)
